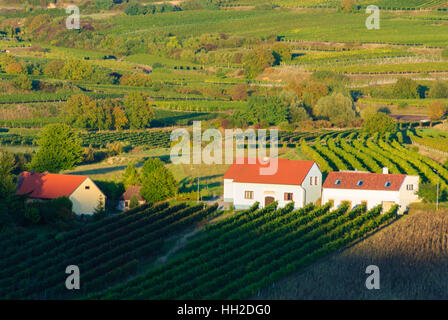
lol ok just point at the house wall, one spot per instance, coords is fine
(402, 197)
(228, 190)
(356, 197)
(409, 196)
(86, 200)
(261, 191)
(313, 192)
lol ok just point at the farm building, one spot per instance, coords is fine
(373, 189)
(298, 181)
(125, 199)
(81, 190)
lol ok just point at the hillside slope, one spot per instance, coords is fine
(411, 254)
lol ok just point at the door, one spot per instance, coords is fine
(268, 200)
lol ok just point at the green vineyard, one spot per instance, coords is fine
(109, 250)
(357, 152)
(239, 256)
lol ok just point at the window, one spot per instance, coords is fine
(315, 180)
(387, 184)
(311, 181)
(337, 182)
(87, 187)
(248, 194)
(360, 183)
(126, 204)
(288, 196)
(410, 187)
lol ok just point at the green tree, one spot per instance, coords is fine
(439, 90)
(256, 61)
(76, 69)
(23, 82)
(134, 202)
(336, 108)
(100, 210)
(59, 149)
(437, 110)
(428, 192)
(131, 176)
(379, 123)
(138, 110)
(7, 185)
(405, 88)
(158, 182)
(281, 52)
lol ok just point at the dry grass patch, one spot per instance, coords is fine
(412, 255)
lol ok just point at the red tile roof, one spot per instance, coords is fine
(131, 191)
(48, 185)
(289, 172)
(371, 181)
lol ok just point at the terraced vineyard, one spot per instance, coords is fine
(106, 251)
(249, 251)
(356, 152)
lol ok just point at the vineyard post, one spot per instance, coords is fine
(437, 195)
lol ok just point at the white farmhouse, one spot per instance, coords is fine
(81, 190)
(298, 181)
(374, 189)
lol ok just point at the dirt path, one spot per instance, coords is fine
(178, 245)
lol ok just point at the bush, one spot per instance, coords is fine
(379, 123)
(22, 82)
(428, 192)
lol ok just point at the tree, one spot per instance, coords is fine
(239, 92)
(428, 192)
(120, 119)
(348, 5)
(437, 110)
(256, 61)
(54, 68)
(405, 88)
(77, 70)
(263, 110)
(134, 202)
(59, 149)
(281, 52)
(7, 185)
(131, 176)
(379, 123)
(439, 90)
(336, 108)
(158, 182)
(138, 110)
(23, 82)
(100, 210)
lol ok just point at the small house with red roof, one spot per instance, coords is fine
(373, 189)
(250, 180)
(81, 190)
(125, 199)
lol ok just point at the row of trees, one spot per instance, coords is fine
(134, 112)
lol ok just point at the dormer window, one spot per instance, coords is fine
(387, 184)
(360, 183)
(337, 182)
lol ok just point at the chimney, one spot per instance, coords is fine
(385, 170)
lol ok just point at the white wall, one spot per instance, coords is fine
(86, 200)
(372, 197)
(228, 190)
(313, 192)
(261, 191)
(406, 196)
